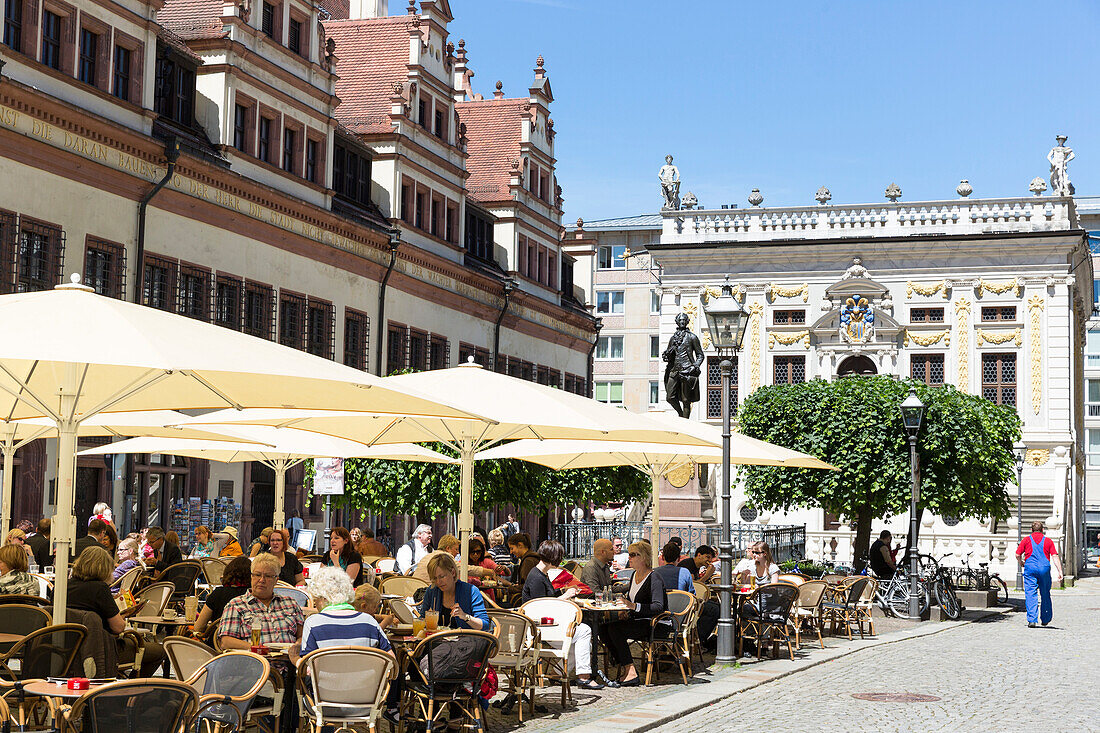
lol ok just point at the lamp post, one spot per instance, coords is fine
(1019, 452)
(726, 321)
(912, 415)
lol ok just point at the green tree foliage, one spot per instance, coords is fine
(426, 490)
(965, 450)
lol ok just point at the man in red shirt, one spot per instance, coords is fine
(1038, 556)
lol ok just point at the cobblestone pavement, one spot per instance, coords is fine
(992, 675)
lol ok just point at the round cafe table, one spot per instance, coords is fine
(42, 688)
(10, 638)
(159, 621)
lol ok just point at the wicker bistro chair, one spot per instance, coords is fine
(845, 610)
(212, 569)
(445, 673)
(401, 585)
(866, 603)
(183, 575)
(303, 599)
(186, 655)
(156, 597)
(8, 599)
(517, 654)
(792, 578)
(554, 641)
(128, 580)
(22, 619)
(702, 590)
(674, 640)
(404, 612)
(50, 652)
(807, 611)
(229, 685)
(133, 706)
(623, 576)
(344, 685)
(386, 565)
(767, 614)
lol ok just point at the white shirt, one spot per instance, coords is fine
(408, 559)
(750, 565)
(623, 558)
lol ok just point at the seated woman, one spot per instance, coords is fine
(14, 578)
(342, 554)
(228, 540)
(757, 567)
(338, 623)
(204, 543)
(260, 544)
(538, 585)
(235, 581)
(459, 604)
(290, 568)
(497, 549)
(18, 538)
(127, 558)
(369, 600)
(88, 591)
(646, 595)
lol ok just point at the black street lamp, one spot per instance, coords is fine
(1019, 452)
(912, 415)
(726, 321)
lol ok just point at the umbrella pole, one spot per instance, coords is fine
(279, 518)
(655, 503)
(9, 479)
(62, 527)
(466, 506)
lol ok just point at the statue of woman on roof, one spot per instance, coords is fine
(670, 185)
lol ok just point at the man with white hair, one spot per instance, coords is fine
(338, 623)
(412, 552)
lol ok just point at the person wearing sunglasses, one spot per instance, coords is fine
(757, 566)
(645, 599)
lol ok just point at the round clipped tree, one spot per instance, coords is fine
(965, 450)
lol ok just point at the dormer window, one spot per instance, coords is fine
(174, 96)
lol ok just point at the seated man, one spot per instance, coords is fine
(597, 571)
(525, 559)
(701, 566)
(880, 558)
(410, 554)
(672, 575)
(619, 561)
(279, 620)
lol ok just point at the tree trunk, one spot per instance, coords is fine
(544, 527)
(862, 542)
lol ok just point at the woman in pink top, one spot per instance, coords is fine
(1038, 556)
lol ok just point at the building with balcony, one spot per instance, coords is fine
(298, 172)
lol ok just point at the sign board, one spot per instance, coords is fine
(328, 476)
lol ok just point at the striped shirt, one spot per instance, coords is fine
(342, 628)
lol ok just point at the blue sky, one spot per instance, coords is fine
(788, 96)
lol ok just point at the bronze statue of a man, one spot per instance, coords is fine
(683, 358)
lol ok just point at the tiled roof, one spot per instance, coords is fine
(494, 128)
(337, 9)
(371, 55)
(193, 18)
(641, 221)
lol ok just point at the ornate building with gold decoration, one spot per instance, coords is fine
(991, 295)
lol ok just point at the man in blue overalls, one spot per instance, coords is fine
(1038, 555)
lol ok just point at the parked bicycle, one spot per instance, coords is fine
(981, 579)
(942, 586)
(933, 583)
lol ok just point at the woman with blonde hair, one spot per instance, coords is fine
(18, 538)
(14, 578)
(646, 600)
(127, 557)
(758, 566)
(458, 603)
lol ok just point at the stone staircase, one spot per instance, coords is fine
(1034, 508)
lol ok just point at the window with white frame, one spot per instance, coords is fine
(654, 302)
(1094, 398)
(610, 257)
(609, 392)
(654, 347)
(654, 393)
(609, 347)
(1092, 349)
(609, 302)
(1093, 448)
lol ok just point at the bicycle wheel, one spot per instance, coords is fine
(967, 580)
(948, 601)
(1001, 587)
(898, 599)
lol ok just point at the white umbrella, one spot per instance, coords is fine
(68, 354)
(14, 434)
(653, 459)
(514, 408)
(285, 449)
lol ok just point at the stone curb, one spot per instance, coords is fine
(667, 708)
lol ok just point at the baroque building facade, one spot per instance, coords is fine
(320, 175)
(991, 295)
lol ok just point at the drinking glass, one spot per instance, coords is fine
(48, 570)
(431, 619)
(418, 626)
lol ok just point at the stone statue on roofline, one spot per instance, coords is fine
(669, 176)
(1059, 158)
(683, 362)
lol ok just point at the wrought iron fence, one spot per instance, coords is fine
(786, 542)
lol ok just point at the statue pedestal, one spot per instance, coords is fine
(681, 509)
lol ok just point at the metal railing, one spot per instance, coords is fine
(785, 541)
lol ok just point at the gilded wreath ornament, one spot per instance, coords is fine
(927, 289)
(779, 291)
(1000, 288)
(789, 338)
(999, 337)
(928, 339)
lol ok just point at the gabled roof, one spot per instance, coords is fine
(190, 19)
(494, 129)
(372, 54)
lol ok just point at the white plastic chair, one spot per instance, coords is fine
(556, 640)
(342, 686)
